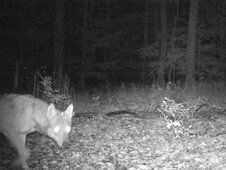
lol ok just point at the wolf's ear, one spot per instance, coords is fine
(51, 111)
(69, 111)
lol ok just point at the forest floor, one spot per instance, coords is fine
(136, 128)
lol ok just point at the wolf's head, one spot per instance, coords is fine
(59, 123)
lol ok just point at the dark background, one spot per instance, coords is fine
(107, 42)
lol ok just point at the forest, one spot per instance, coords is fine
(147, 80)
(93, 43)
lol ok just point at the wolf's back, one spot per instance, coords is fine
(20, 113)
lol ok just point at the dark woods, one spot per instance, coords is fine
(103, 43)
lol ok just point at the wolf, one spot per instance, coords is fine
(21, 115)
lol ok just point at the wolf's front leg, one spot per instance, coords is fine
(19, 140)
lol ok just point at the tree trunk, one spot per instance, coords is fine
(16, 77)
(190, 60)
(161, 74)
(223, 37)
(144, 62)
(59, 44)
(146, 24)
(83, 62)
(19, 72)
(172, 75)
(155, 21)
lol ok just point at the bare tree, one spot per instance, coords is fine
(83, 62)
(146, 23)
(145, 61)
(190, 60)
(161, 74)
(59, 44)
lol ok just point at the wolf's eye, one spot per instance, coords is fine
(68, 129)
(56, 129)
